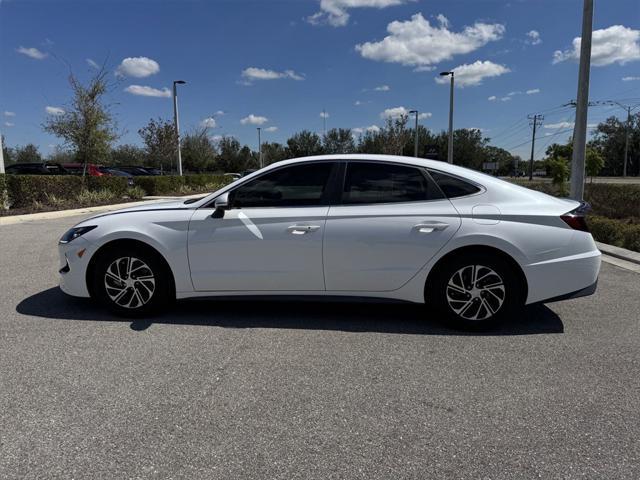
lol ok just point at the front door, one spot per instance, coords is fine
(270, 239)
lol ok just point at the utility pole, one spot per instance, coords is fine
(324, 123)
(1, 159)
(536, 121)
(259, 147)
(176, 122)
(450, 143)
(626, 143)
(582, 104)
(415, 146)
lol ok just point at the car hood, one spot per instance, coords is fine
(146, 207)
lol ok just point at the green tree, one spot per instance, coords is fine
(273, 152)
(127, 155)
(338, 140)
(609, 139)
(232, 158)
(87, 125)
(594, 162)
(161, 143)
(559, 170)
(28, 154)
(61, 155)
(395, 135)
(8, 153)
(198, 153)
(303, 144)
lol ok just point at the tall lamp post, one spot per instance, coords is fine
(175, 121)
(259, 147)
(415, 145)
(450, 146)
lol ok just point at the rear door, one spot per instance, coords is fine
(391, 219)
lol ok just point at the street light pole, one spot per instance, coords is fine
(450, 143)
(259, 147)
(582, 104)
(415, 146)
(176, 122)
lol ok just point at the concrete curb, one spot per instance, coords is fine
(621, 253)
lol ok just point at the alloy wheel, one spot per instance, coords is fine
(129, 282)
(475, 292)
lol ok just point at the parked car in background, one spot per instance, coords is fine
(79, 168)
(118, 173)
(46, 168)
(233, 176)
(473, 247)
(137, 171)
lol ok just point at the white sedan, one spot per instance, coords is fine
(473, 247)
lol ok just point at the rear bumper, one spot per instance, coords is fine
(561, 278)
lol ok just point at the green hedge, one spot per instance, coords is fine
(4, 200)
(164, 185)
(26, 190)
(621, 233)
(610, 200)
(117, 185)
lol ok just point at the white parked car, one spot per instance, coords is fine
(472, 246)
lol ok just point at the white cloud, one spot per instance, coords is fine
(93, 64)
(472, 74)
(505, 99)
(138, 67)
(9, 124)
(492, 98)
(54, 110)
(324, 114)
(271, 129)
(533, 91)
(559, 125)
(254, 120)
(9, 114)
(219, 113)
(417, 43)
(382, 88)
(215, 138)
(32, 53)
(335, 12)
(252, 74)
(616, 44)
(208, 122)
(361, 130)
(630, 79)
(533, 38)
(398, 111)
(145, 91)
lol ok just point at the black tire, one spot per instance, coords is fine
(132, 281)
(496, 295)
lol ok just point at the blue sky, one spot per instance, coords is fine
(278, 64)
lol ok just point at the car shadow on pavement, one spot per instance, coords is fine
(312, 314)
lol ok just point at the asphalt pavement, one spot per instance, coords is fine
(308, 390)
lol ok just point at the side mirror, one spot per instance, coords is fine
(221, 204)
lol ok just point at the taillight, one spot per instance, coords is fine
(576, 218)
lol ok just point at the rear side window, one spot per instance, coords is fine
(295, 186)
(386, 183)
(453, 186)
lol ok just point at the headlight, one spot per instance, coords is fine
(75, 232)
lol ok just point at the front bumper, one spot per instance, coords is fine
(74, 260)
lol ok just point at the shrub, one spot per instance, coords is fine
(135, 193)
(160, 185)
(4, 199)
(87, 198)
(24, 190)
(606, 230)
(117, 185)
(613, 200)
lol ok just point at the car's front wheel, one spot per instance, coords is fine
(475, 291)
(131, 281)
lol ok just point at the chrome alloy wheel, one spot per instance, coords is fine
(129, 282)
(475, 292)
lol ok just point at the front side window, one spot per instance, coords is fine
(295, 186)
(453, 186)
(386, 183)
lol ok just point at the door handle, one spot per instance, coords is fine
(429, 227)
(302, 229)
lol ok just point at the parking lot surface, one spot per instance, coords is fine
(309, 390)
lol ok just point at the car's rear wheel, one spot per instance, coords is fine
(475, 291)
(131, 282)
